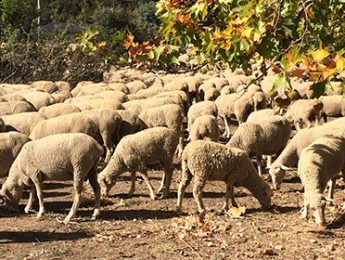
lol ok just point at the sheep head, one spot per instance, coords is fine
(105, 183)
(10, 197)
(277, 174)
(264, 195)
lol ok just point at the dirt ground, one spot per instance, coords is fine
(139, 228)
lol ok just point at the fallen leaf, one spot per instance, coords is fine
(237, 212)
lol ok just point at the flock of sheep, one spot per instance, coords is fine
(135, 120)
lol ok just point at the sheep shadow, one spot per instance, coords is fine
(7, 237)
(338, 222)
(56, 185)
(142, 214)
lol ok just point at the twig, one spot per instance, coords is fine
(200, 257)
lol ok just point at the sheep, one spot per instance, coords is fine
(63, 86)
(83, 84)
(61, 95)
(10, 145)
(130, 123)
(170, 116)
(120, 96)
(320, 162)
(118, 87)
(38, 99)
(305, 111)
(15, 107)
(70, 123)
(333, 106)
(2, 126)
(177, 84)
(219, 83)
(193, 85)
(210, 161)
(22, 122)
(289, 156)
(136, 152)
(227, 90)
(266, 137)
(181, 97)
(200, 109)
(91, 90)
(135, 86)
(261, 115)
(59, 157)
(107, 121)
(205, 127)
(58, 110)
(99, 103)
(45, 86)
(203, 88)
(225, 106)
(211, 94)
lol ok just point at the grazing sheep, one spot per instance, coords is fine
(305, 111)
(90, 90)
(2, 126)
(261, 115)
(266, 137)
(225, 106)
(136, 152)
(59, 157)
(63, 86)
(135, 86)
(107, 121)
(118, 87)
(23, 122)
(70, 123)
(177, 95)
(200, 109)
(177, 84)
(203, 88)
(320, 162)
(211, 94)
(99, 103)
(210, 161)
(10, 145)
(15, 107)
(333, 106)
(118, 95)
(193, 85)
(45, 86)
(170, 116)
(289, 156)
(38, 99)
(206, 128)
(227, 90)
(58, 110)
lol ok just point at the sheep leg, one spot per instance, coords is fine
(304, 210)
(331, 187)
(78, 189)
(109, 145)
(269, 161)
(167, 181)
(180, 146)
(227, 128)
(197, 194)
(259, 163)
(38, 185)
(92, 175)
(148, 183)
(297, 126)
(229, 193)
(186, 178)
(32, 197)
(132, 190)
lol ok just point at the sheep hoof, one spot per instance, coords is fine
(178, 210)
(96, 214)
(322, 226)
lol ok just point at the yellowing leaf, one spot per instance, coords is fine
(237, 212)
(102, 44)
(319, 54)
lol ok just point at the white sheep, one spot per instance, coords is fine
(210, 161)
(38, 99)
(305, 111)
(333, 106)
(15, 107)
(170, 116)
(58, 109)
(22, 122)
(200, 109)
(289, 156)
(211, 94)
(44, 85)
(265, 137)
(138, 151)
(205, 127)
(261, 115)
(135, 86)
(130, 123)
(61, 95)
(320, 162)
(58, 157)
(10, 145)
(225, 106)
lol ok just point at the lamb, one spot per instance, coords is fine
(200, 109)
(136, 152)
(59, 157)
(70, 123)
(289, 156)
(107, 121)
(15, 107)
(206, 128)
(58, 110)
(22, 122)
(305, 111)
(333, 106)
(210, 161)
(266, 137)
(170, 116)
(10, 145)
(320, 162)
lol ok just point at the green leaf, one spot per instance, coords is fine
(158, 51)
(282, 81)
(319, 88)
